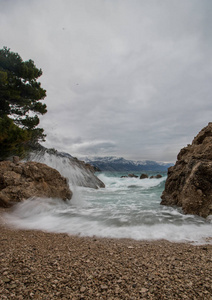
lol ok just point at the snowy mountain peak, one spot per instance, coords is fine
(113, 163)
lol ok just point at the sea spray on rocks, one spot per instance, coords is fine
(125, 208)
(77, 172)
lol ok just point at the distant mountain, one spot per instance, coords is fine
(111, 163)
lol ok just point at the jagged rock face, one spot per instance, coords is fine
(189, 181)
(21, 181)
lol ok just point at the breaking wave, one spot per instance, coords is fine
(125, 208)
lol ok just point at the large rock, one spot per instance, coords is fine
(189, 181)
(76, 171)
(23, 180)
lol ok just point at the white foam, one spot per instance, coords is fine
(126, 208)
(126, 182)
(55, 215)
(76, 176)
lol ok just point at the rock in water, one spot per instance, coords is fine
(24, 180)
(189, 181)
(143, 176)
(77, 172)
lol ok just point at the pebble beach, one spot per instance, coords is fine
(41, 265)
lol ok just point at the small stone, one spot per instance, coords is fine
(144, 290)
(82, 290)
(104, 287)
(5, 273)
(12, 286)
(6, 279)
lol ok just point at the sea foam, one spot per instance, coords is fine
(125, 208)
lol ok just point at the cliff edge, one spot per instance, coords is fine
(189, 181)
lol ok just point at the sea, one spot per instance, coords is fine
(126, 208)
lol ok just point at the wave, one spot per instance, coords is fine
(55, 215)
(115, 182)
(125, 208)
(74, 170)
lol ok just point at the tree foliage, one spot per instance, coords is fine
(13, 140)
(20, 95)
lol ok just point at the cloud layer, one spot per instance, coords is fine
(126, 78)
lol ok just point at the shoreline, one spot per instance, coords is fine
(41, 265)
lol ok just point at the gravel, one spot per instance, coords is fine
(41, 265)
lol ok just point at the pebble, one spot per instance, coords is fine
(100, 269)
(104, 287)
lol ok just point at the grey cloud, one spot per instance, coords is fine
(130, 78)
(93, 147)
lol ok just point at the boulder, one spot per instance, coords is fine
(189, 181)
(156, 176)
(20, 181)
(143, 176)
(132, 176)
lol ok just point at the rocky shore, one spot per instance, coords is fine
(20, 181)
(40, 265)
(189, 181)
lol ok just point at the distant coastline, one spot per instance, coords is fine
(111, 163)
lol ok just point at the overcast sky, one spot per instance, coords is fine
(129, 78)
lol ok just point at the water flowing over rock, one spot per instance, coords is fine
(189, 182)
(20, 181)
(77, 172)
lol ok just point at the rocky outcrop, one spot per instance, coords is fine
(85, 176)
(156, 176)
(20, 181)
(143, 176)
(189, 181)
(132, 176)
(76, 171)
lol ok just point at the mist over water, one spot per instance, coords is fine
(125, 208)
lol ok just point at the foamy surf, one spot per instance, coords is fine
(126, 208)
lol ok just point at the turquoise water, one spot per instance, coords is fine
(126, 208)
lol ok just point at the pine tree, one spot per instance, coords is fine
(20, 96)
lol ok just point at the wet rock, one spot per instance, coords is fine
(129, 176)
(156, 176)
(143, 176)
(78, 172)
(189, 182)
(24, 180)
(132, 176)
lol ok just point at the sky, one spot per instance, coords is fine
(126, 78)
